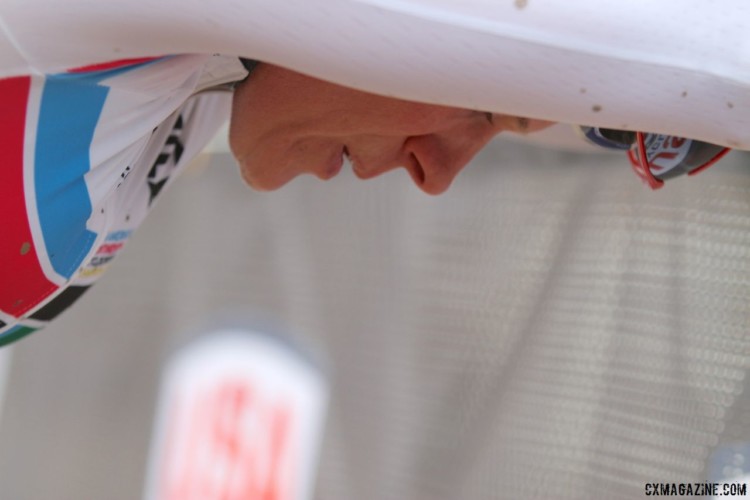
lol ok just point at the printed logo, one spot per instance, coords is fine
(240, 419)
(235, 445)
(105, 253)
(167, 160)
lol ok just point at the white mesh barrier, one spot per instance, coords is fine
(549, 328)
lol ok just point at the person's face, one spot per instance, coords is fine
(285, 124)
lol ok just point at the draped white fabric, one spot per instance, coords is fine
(675, 66)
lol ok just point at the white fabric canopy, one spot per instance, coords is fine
(679, 66)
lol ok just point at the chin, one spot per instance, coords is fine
(254, 181)
(265, 181)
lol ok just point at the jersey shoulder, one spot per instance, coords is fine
(71, 142)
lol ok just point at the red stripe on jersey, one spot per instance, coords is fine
(112, 64)
(23, 281)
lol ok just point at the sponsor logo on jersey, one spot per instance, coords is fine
(107, 251)
(167, 160)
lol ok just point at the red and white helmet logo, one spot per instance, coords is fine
(665, 152)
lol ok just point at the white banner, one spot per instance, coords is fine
(240, 417)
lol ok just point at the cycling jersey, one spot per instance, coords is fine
(70, 138)
(85, 154)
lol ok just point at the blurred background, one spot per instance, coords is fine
(548, 328)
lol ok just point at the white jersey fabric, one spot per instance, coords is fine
(678, 67)
(85, 154)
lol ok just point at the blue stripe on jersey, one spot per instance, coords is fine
(68, 115)
(70, 107)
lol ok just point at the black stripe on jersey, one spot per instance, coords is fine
(59, 303)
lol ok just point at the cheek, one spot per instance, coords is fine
(413, 119)
(253, 129)
(239, 125)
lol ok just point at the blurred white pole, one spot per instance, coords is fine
(5, 356)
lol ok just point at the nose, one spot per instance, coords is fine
(434, 160)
